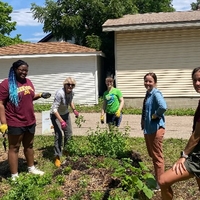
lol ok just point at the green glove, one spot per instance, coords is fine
(3, 128)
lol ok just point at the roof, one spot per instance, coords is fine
(154, 20)
(46, 38)
(44, 48)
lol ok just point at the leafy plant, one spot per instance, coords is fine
(135, 180)
(79, 120)
(105, 142)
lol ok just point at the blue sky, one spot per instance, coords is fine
(31, 30)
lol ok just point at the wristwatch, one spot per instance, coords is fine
(183, 155)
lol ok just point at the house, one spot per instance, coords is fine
(51, 63)
(165, 43)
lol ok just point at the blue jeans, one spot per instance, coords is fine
(58, 141)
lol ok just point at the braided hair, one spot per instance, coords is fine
(13, 94)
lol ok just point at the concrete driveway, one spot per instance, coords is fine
(176, 126)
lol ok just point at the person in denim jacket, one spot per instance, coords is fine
(188, 164)
(153, 123)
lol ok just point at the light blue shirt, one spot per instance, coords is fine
(155, 104)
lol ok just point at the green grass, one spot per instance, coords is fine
(128, 110)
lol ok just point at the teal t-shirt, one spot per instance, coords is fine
(112, 98)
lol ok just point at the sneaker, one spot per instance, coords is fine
(35, 171)
(157, 189)
(57, 162)
(14, 177)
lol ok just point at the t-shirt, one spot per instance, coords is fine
(61, 102)
(23, 114)
(112, 98)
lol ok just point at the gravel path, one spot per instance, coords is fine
(176, 126)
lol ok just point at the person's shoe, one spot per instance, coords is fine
(157, 189)
(36, 171)
(57, 161)
(14, 177)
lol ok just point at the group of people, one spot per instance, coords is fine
(18, 121)
(153, 126)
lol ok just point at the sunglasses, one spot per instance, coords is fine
(68, 84)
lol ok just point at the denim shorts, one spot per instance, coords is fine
(12, 130)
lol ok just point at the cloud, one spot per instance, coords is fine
(181, 5)
(24, 17)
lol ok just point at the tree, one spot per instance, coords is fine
(7, 26)
(83, 19)
(195, 6)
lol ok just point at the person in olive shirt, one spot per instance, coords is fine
(113, 104)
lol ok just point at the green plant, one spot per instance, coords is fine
(28, 187)
(60, 179)
(105, 142)
(135, 180)
(79, 120)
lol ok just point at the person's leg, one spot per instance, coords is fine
(157, 152)
(118, 120)
(57, 137)
(28, 148)
(167, 179)
(14, 145)
(68, 131)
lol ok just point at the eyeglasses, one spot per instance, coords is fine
(23, 70)
(68, 84)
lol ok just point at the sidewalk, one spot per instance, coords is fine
(176, 126)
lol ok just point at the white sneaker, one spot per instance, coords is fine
(157, 189)
(34, 170)
(14, 177)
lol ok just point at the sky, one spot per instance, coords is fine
(30, 30)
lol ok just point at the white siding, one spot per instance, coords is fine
(172, 55)
(48, 74)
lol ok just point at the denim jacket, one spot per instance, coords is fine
(155, 104)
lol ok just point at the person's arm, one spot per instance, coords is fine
(194, 139)
(44, 95)
(3, 125)
(2, 113)
(76, 113)
(162, 106)
(103, 108)
(121, 105)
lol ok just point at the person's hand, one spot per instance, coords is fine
(154, 116)
(45, 95)
(117, 114)
(102, 119)
(3, 128)
(179, 166)
(76, 113)
(63, 125)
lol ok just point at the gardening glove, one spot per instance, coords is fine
(117, 114)
(3, 128)
(102, 119)
(76, 113)
(63, 125)
(45, 95)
